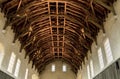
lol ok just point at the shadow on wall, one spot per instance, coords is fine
(1, 53)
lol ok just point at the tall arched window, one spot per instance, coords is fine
(1, 54)
(88, 71)
(108, 51)
(64, 68)
(100, 57)
(11, 62)
(53, 68)
(26, 73)
(17, 68)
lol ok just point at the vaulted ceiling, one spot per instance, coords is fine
(51, 30)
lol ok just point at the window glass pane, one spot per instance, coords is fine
(100, 57)
(26, 74)
(53, 68)
(108, 51)
(17, 68)
(88, 71)
(92, 69)
(11, 62)
(64, 68)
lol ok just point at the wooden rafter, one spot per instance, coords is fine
(56, 29)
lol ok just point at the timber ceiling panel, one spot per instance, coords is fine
(56, 29)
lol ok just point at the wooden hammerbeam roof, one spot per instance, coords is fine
(56, 29)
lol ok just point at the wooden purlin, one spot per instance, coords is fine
(72, 24)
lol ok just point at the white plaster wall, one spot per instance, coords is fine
(6, 40)
(58, 74)
(112, 28)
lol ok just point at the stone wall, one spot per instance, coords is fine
(112, 28)
(7, 47)
(58, 74)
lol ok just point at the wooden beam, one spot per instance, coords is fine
(103, 4)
